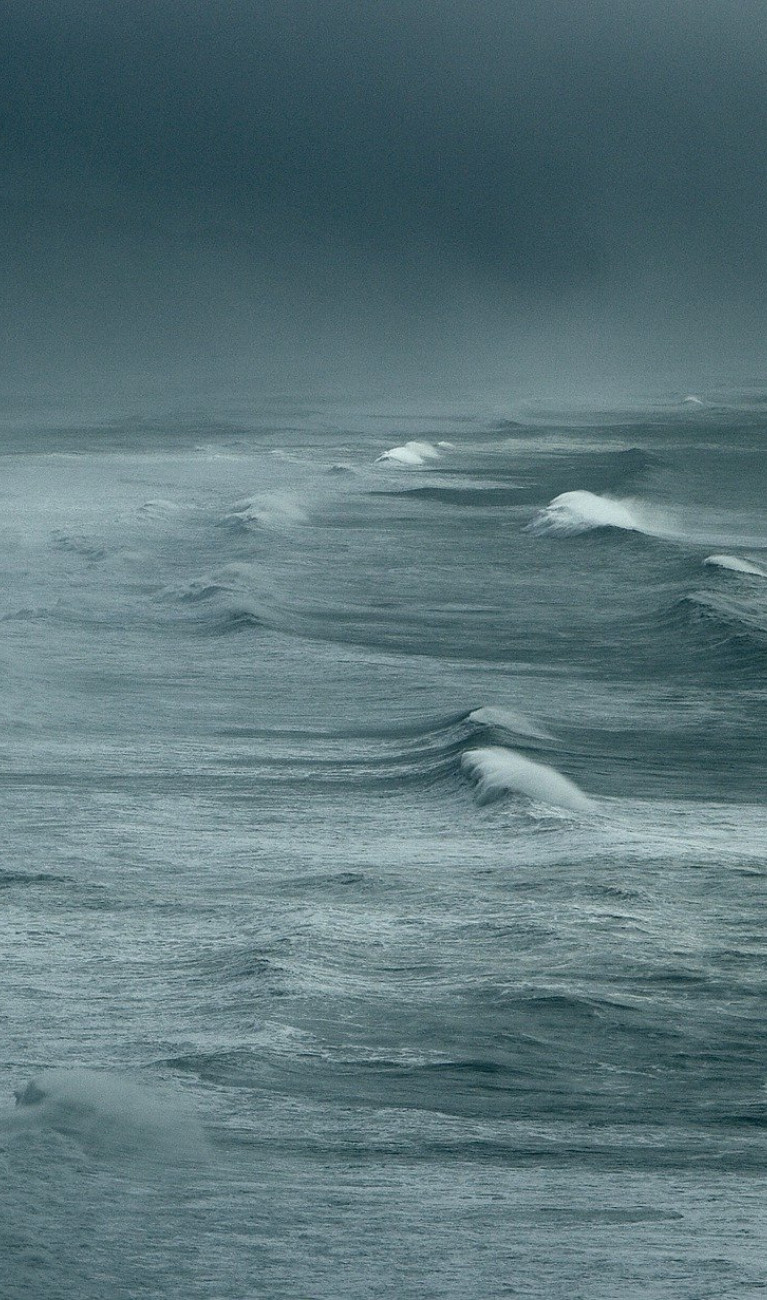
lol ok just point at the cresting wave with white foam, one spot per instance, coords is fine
(573, 513)
(736, 565)
(410, 453)
(497, 771)
(581, 512)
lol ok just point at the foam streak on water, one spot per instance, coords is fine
(384, 856)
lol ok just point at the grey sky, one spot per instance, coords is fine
(227, 181)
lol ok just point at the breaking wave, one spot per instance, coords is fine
(410, 453)
(497, 771)
(736, 565)
(581, 512)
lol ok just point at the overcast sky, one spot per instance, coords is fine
(228, 191)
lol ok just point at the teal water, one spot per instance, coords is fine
(384, 854)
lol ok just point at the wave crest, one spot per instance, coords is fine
(410, 453)
(581, 512)
(501, 719)
(737, 565)
(497, 771)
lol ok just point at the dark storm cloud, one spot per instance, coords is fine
(554, 148)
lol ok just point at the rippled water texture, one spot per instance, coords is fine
(383, 880)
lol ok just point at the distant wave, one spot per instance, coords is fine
(271, 511)
(160, 509)
(411, 453)
(736, 565)
(497, 771)
(582, 512)
(79, 544)
(227, 578)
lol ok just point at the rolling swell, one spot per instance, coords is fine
(726, 621)
(399, 758)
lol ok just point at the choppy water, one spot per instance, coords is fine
(383, 873)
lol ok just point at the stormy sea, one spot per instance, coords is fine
(384, 838)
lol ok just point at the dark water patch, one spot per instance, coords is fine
(234, 620)
(12, 878)
(596, 1216)
(330, 881)
(477, 498)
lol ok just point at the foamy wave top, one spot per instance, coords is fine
(737, 565)
(410, 453)
(498, 771)
(581, 512)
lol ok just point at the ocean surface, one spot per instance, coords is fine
(384, 857)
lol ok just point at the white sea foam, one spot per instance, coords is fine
(497, 771)
(737, 565)
(410, 453)
(581, 512)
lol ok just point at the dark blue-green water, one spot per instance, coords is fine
(384, 855)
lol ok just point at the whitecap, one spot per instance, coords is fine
(736, 564)
(497, 771)
(582, 512)
(410, 453)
